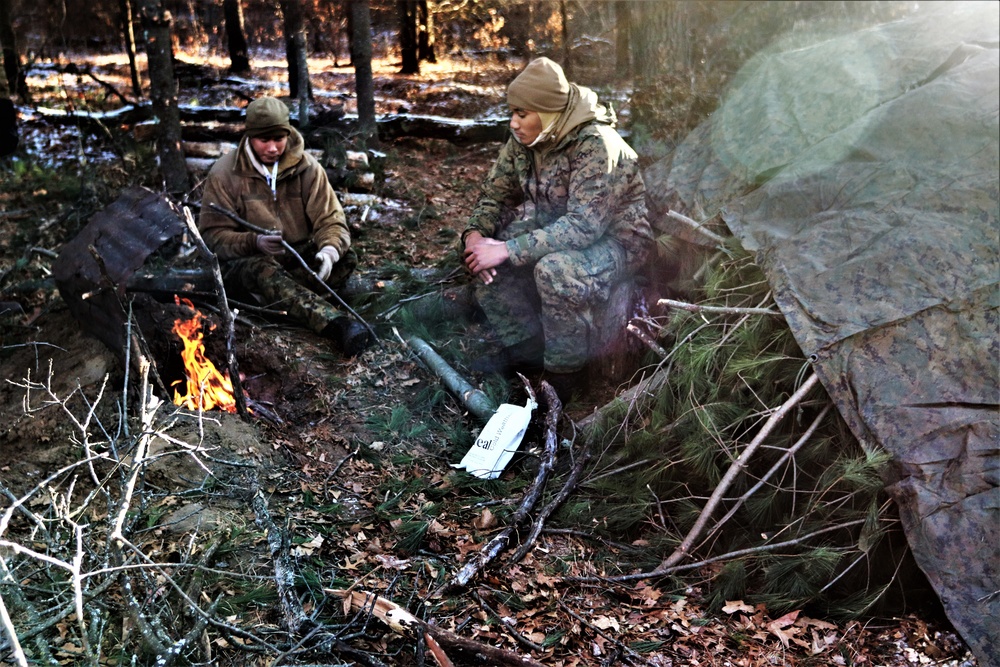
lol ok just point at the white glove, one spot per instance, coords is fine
(327, 257)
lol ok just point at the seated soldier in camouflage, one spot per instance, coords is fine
(271, 182)
(560, 220)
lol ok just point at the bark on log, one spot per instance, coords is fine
(226, 124)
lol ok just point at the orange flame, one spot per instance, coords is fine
(207, 388)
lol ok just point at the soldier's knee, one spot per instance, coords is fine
(557, 275)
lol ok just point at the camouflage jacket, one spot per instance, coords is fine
(585, 189)
(303, 206)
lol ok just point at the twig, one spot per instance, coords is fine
(618, 471)
(339, 465)
(739, 553)
(695, 308)
(284, 575)
(518, 637)
(551, 445)
(696, 226)
(288, 248)
(790, 452)
(8, 626)
(646, 339)
(530, 499)
(149, 405)
(227, 315)
(733, 472)
(622, 647)
(406, 624)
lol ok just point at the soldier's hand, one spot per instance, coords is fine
(486, 254)
(487, 276)
(270, 244)
(327, 257)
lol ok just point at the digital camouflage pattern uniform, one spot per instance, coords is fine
(306, 211)
(574, 219)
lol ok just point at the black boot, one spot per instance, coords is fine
(351, 336)
(524, 357)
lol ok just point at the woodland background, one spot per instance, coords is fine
(138, 532)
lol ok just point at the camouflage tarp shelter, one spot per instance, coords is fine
(863, 170)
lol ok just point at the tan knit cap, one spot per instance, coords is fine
(542, 86)
(267, 115)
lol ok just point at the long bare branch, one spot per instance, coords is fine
(696, 226)
(725, 310)
(495, 546)
(733, 472)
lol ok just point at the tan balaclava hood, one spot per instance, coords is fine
(542, 87)
(267, 116)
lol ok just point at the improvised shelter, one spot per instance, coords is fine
(864, 172)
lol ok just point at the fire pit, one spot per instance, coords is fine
(121, 278)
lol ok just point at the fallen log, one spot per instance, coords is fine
(226, 124)
(475, 400)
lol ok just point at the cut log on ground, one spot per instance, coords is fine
(473, 399)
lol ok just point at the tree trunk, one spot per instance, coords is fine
(567, 63)
(623, 29)
(295, 49)
(361, 57)
(128, 36)
(298, 67)
(239, 59)
(16, 79)
(8, 124)
(408, 36)
(425, 36)
(517, 27)
(163, 94)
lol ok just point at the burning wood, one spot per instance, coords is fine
(207, 388)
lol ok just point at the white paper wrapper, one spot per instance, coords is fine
(498, 441)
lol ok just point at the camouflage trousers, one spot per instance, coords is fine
(555, 298)
(281, 283)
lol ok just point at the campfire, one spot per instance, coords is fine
(207, 388)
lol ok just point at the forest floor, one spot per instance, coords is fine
(357, 465)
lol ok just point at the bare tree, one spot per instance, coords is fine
(408, 20)
(11, 62)
(623, 28)
(156, 21)
(517, 27)
(128, 36)
(299, 86)
(425, 32)
(8, 119)
(361, 57)
(567, 63)
(239, 59)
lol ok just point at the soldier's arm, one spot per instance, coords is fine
(222, 234)
(324, 211)
(500, 190)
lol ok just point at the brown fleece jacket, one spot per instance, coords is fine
(305, 206)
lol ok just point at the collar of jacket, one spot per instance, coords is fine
(583, 108)
(290, 159)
